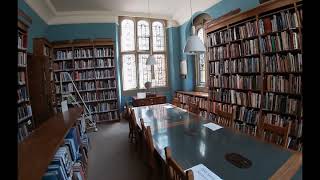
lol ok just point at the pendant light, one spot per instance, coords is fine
(194, 45)
(151, 59)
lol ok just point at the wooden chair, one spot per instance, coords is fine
(176, 102)
(194, 108)
(174, 171)
(275, 134)
(133, 129)
(225, 118)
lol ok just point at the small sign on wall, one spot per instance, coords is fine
(183, 68)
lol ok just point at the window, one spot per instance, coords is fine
(201, 63)
(140, 37)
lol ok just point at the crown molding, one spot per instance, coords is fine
(46, 10)
(41, 8)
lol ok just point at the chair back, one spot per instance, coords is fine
(176, 102)
(194, 108)
(150, 147)
(133, 120)
(174, 171)
(275, 134)
(225, 118)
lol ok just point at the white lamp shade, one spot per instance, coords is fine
(151, 60)
(194, 45)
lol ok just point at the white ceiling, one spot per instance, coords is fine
(77, 11)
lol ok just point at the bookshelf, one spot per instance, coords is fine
(37, 151)
(255, 67)
(91, 64)
(25, 117)
(194, 97)
(41, 81)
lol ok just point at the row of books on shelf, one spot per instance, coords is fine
(218, 53)
(24, 130)
(22, 94)
(86, 75)
(68, 161)
(283, 63)
(103, 95)
(22, 40)
(91, 85)
(244, 48)
(236, 82)
(283, 104)
(247, 30)
(63, 54)
(83, 64)
(68, 88)
(21, 77)
(83, 53)
(280, 42)
(24, 111)
(64, 65)
(97, 74)
(22, 59)
(249, 99)
(246, 129)
(286, 84)
(279, 22)
(245, 65)
(104, 52)
(282, 121)
(106, 62)
(106, 116)
(240, 113)
(103, 107)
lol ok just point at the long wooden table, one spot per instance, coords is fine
(194, 144)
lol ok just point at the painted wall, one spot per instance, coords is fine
(38, 26)
(214, 11)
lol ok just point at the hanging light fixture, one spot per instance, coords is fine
(151, 59)
(194, 45)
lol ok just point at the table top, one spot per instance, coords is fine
(192, 144)
(36, 152)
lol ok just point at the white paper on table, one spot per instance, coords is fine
(168, 106)
(212, 126)
(201, 172)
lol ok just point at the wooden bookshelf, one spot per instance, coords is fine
(92, 65)
(42, 86)
(194, 97)
(255, 63)
(36, 152)
(25, 116)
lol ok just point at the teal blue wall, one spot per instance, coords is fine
(173, 60)
(81, 31)
(38, 26)
(214, 11)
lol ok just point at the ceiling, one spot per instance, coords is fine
(63, 11)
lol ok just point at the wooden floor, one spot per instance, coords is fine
(111, 156)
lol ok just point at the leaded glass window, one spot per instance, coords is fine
(158, 36)
(127, 35)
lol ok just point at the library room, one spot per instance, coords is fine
(159, 90)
